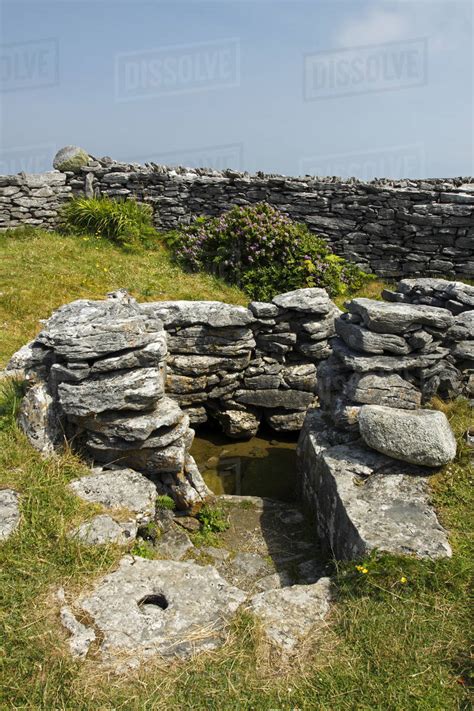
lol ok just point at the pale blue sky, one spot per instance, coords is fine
(248, 84)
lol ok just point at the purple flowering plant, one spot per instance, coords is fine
(264, 252)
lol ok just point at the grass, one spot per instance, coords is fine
(40, 271)
(388, 645)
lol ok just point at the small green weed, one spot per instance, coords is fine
(165, 502)
(143, 549)
(213, 519)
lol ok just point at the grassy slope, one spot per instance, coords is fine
(389, 645)
(40, 271)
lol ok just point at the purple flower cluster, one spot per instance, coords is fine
(263, 249)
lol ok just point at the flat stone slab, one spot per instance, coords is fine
(86, 329)
(102, 529)
(173, 544)
(386, 317)
(209, 313)
(81, 636)
(139, 389)
(309, 300)
(363, 500)
(118, 488)
(137, 427)
(9, 512)
(155, 607)
(288, 615)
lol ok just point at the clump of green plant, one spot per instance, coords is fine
(165, 502)
(264, 252)
(125, 222)
(11, 394)
(212, 519)
(143, 549)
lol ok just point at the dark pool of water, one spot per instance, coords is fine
(262, 466)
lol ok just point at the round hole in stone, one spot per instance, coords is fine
(156, 599)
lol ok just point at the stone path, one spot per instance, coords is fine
(265, 562)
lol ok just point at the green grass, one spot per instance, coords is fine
(40, 271)
(388, 645)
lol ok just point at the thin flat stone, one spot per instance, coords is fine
(386, 317)
(118, 488)
(210, 313)
(309, 300)
(291, 614)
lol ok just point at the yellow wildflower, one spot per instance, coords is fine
(403, 580)
(364, 570)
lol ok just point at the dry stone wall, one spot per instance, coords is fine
(32, 199)
(391, 228)
(240, 365)
(98, 375)
(366, 454)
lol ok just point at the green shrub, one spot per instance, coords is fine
(165, 502)
(126, 222)
(264, 252)
(213, 520)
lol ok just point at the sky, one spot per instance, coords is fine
(363, 88)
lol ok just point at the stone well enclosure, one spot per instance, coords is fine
(122, 382)
(391, 228)
(125, 381)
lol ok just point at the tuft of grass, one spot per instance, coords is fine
(11, 394)
(165, 502)
(126, 222)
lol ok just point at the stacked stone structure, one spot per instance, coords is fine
(459, 338)
(384, 354)
(100, 372)
(32, 199)
(241, 365)
(366, 454)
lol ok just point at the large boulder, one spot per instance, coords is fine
(70, 158)
(421, 437)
